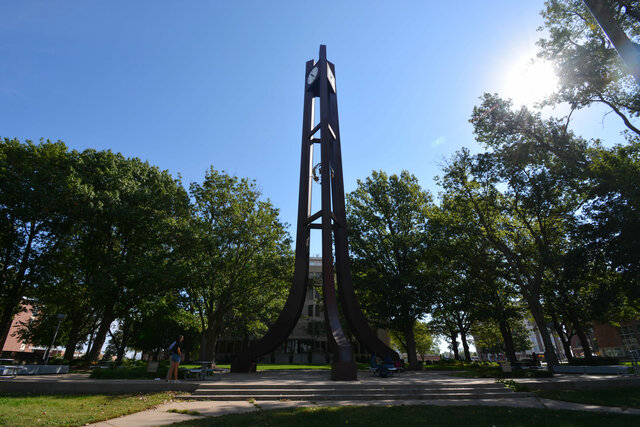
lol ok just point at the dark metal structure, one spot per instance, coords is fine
(320, 84)
(627, 49)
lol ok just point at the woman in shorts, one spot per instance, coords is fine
(176, 357)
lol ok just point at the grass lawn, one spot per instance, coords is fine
(416, 416)
(72, 410)
(139, 371)
(623, 397)
(274, 367)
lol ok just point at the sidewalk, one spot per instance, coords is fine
(161, 416)
(80, 383)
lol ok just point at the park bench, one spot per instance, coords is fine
(382, 371)
(201, 373)
(12, 370)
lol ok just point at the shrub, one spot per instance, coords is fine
(594, 361)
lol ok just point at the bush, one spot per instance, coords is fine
(136, 372)
(594, 361)
(58, 361)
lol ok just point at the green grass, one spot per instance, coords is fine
(274, 367)
(139, 371)
(69, 410)
(623, 397)
(416, 416)
(489, 370)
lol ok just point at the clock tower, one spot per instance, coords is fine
(330, 218)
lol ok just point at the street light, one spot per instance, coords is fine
(60, 318)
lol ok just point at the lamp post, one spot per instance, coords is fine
(60, 318)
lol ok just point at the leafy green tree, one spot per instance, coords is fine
(590, 68)
(159, 321)
(488, 337)
(529, 220)
(34, 191)
(238, 259)
(129, 216)
(388, 217)
(610, 230)
(425, 340)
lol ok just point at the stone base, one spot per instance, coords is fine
(238, 366)
(344, 371)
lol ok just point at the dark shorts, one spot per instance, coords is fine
(175, 357)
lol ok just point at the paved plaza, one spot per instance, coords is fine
(80, 383)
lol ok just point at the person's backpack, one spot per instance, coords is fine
(169, 349)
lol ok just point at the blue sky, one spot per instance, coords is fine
(189, 84)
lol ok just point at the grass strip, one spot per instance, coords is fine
(628, 397)
(72, 410)
(416, 416)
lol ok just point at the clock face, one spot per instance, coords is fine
(312, 75)
(331, 77)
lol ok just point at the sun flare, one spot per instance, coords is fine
(529, 81)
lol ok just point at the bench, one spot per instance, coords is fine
(201, 373)
(13, 370)
(378, 370)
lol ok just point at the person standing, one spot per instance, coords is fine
(176, 357)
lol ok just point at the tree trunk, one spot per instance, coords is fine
(203, 346)
(536, 311)
(72, 340)
(565, 338)
(411, 348)
(454, 344)
(582, 336)
(465, 345)
(122, 346)
(507, 337)
(100, 337)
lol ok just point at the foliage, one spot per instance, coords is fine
(517, 387)
(590, 68)
(237, 257)
(34, 217)
(425, 340)
(487, 336)
(159, 322)
(388, 219)
(135, 372)
(594, 361)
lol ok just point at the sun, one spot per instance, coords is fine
(529, 81)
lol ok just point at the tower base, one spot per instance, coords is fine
(344, 371)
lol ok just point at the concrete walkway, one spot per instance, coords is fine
(161, 416)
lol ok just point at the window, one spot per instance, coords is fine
(310, 310)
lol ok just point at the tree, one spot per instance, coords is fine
(610, 227)
(159, 321)
(34, 191)
(425, 340)
(388, 218)
(488, 337)
(590, 68)
(129, 215)
(527, 222)
(238, 255)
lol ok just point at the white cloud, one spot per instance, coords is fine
(439, 141)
